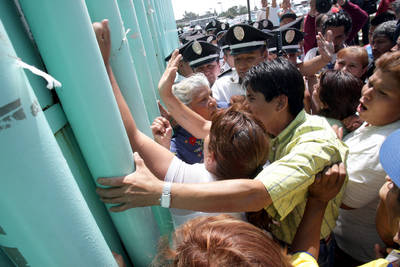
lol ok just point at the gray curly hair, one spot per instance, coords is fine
(187, 88)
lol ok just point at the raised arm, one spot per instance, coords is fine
(310, 40)
(156, 157)
(358, 17)
(184, 116)
(326, 186)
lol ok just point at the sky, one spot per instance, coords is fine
(202, 6)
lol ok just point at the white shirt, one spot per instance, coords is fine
(182, 172)
(272, 15)
(355, 232)
(227, 86)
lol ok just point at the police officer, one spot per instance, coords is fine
(203, 57)
(184, 69)
(248, 48)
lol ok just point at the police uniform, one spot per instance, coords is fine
(224, 27)
(224, 46)
(289, 39)
(213, 26)
(207, 38)
(241, 38)
(264, 24)
(182, 48)
(294, 24)
(199, 53)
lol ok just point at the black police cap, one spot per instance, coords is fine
(289, 15)
(294, 24)
(222, 43)
(207, 38)
(213, 25)
(223, 27)
(263, 24)
(243, 38)
(200, 53)
(290, 39)
(181, 49)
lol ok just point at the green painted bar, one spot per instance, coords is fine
(4, 260)
(144, 6)
(148, 43)
(169, 35)
(24, 49)
(55, 117)
(41, 204)
(141, 57)
(72, 154)
(127, 10)
(124, 70)
(159, 27)
(172, 24)
(154, 28)
(121, 60)
(66, 41)
(148, 76)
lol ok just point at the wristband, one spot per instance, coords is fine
(165, 200)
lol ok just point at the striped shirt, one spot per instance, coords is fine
(302, 150)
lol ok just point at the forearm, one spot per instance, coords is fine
(312, 66)
(310, 39)
(185, 117)
(126, 115)
(358, 17)
(307, 237)
(238, 195)
(156, 157)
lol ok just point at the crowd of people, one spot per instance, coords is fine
(280, 142)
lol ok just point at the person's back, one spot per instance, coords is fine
(380, 108)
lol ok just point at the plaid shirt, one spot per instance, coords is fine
(297, 154)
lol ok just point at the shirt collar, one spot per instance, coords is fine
(300, 118)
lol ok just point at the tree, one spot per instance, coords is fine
(231, 12)
(242, 10)
(189, 15)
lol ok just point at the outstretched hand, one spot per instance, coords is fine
(168, 78)
(138, 189)
(326, 47)
(102, 32)
(328, 183)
